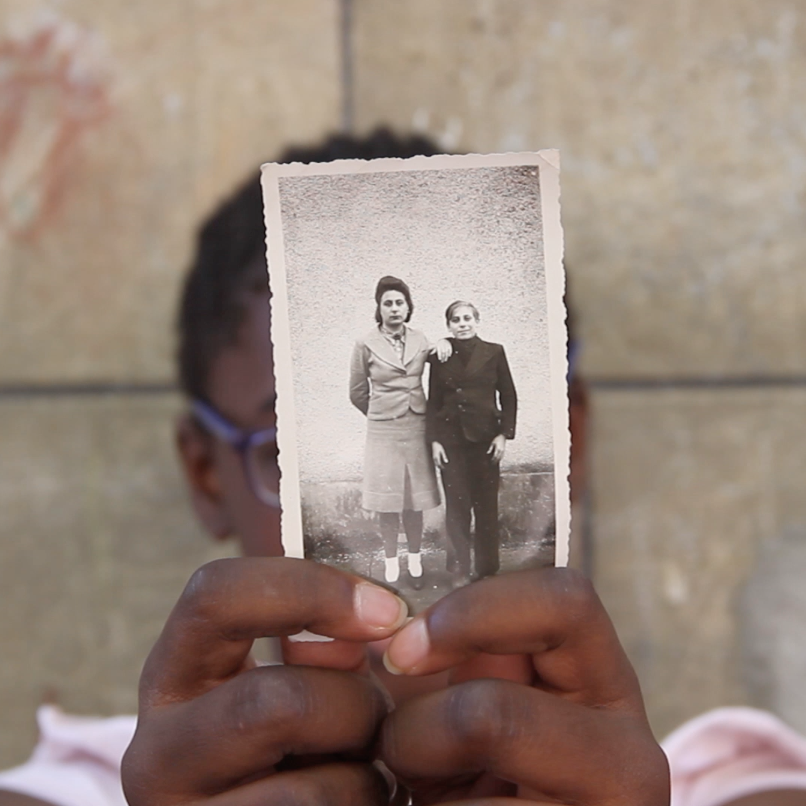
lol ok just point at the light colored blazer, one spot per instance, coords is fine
(383, 386)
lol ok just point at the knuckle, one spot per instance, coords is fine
(269, 695)
(643, 769)
(650, 779)
(576, 591)
(137, 773)
(204, 586)
(484, 715)
(130, 774)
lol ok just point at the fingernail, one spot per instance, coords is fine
(378, 608)
(408, 649)
(307, 637)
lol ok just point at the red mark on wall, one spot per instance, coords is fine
(53, 87)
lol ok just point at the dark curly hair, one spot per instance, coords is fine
(229, 261)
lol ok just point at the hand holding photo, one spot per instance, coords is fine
(420, 355)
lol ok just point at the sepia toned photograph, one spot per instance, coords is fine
(420, 361)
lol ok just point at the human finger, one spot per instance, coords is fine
(339, 784)
(551, 614)
(334, 784)
(248, 725)
(544, 744)
(229, 603)
(498, 802)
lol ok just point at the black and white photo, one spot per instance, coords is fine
(420, 355)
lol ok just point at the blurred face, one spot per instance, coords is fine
(462, 323)
(394, 310)
(241, 388)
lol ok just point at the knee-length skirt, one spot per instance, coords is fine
(398, 470)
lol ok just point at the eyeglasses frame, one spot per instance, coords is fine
(241, 441)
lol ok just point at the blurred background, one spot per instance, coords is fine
(681, 127)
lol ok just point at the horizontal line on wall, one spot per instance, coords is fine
(98, 389)
(102, 388)
(660, 384)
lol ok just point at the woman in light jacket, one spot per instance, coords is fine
(386, 386)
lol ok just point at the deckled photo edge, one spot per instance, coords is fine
(437, 162)
(558, 341)
(280, 334)
(548, 163)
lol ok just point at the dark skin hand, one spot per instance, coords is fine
(216, 729)
(566, 724)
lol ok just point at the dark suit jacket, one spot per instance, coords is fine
(476, 401)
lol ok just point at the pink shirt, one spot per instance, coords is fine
(76, 761)
(731, 753)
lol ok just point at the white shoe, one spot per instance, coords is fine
(415, 565)
(392, 571)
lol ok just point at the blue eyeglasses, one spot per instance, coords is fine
(257, 449)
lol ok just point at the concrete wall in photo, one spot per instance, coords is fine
(451, 234)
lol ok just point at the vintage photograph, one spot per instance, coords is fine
(420, 361)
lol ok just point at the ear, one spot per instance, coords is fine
(197, 457)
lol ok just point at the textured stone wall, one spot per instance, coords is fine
(483, 247)
(680, 127)
(682, 137)
(126, 122)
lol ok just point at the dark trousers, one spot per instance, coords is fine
(470, 479)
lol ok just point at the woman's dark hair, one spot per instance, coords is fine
(229, 261)
(459, 303)
(390, 283)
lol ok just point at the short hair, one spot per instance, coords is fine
(390, 283)
(460, 303)
(229, 261)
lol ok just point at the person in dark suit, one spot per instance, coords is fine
(470, 415)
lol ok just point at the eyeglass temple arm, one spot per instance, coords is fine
(214, 422)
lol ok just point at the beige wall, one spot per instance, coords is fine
(96, 538)
(681, 129)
